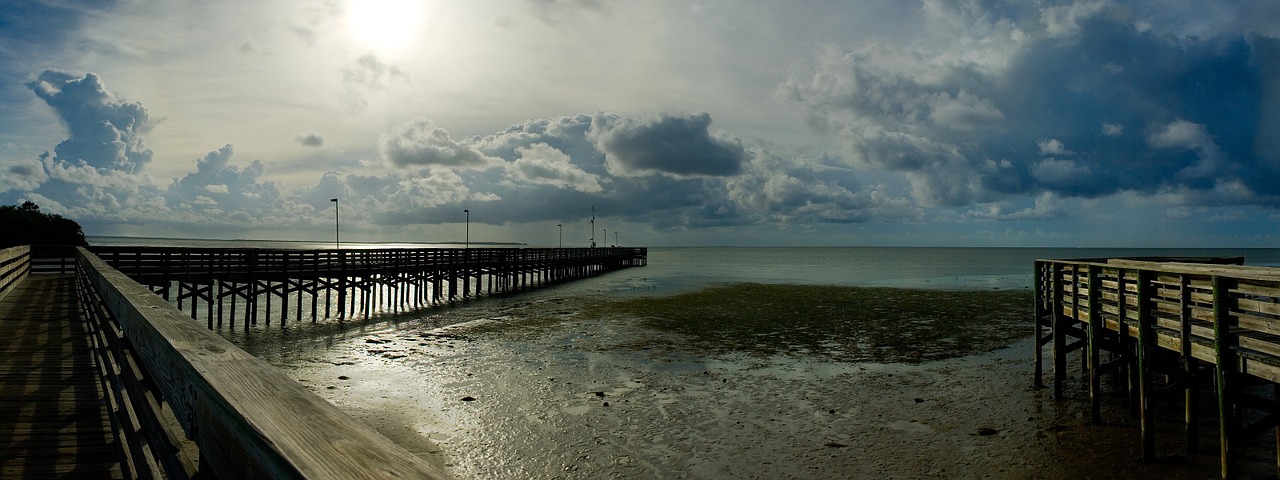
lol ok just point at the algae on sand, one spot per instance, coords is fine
(840, 323)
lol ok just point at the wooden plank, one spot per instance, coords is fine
(52, 409)
(1257, 324)
(1257, 306)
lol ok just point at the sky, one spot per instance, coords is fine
(738, 122)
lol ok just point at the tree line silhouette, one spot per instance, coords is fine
(25, 225)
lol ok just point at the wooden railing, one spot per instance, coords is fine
(53, 259)
(186, 402)
(1186, 321)
(15, 264)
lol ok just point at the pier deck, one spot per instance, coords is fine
(53, 415)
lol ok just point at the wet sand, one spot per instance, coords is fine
(535, 388)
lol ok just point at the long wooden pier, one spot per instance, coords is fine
(1168, 326)
(218, 284)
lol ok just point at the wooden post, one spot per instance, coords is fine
(342, 284)
(1040, 315)
(1145, 346)
(1189, 366)
(1224, 369)
(1095, 318)
(1059, 336)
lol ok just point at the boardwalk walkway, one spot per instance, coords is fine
(53, 419)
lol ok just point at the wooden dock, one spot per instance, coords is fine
(1168, 327)
(223, 285)
(53, 414)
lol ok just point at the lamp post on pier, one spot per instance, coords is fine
(606, 235)
(561, 225)
(468, 240)
(336, 243)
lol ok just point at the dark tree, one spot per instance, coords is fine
(25, 225)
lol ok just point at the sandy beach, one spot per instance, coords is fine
(535, 388)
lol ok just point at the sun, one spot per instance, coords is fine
(384, 26)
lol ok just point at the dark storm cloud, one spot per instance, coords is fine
(105, 132)
(1081, 100)
(680, 145)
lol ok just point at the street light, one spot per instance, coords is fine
(561, 225)
(606, 234)
(468, 244)
(336, 243)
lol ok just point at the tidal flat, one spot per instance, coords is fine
(731, 381)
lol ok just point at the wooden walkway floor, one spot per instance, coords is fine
(53, 419)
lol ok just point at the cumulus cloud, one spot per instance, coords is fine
(229, 186)
(1032, 99)
(544, 165)
(96, 175)
(422, 143)
(1053, 146)
(679, 145)
(23, 174)
(105, 132)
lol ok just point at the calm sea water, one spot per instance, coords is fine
(673, 269)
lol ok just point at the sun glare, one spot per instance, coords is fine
(385, 26)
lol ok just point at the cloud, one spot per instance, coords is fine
(105, 132)
(310, 139)
(795, 190)
(230, 187)
(23, 174)
(422, 143)
(366, 75)
(988, 116)
(542, 164)
(678, 145)
(1053, 146)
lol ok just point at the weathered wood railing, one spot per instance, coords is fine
(187, 402)
(1181, 321)
(361, 280)
(15, 264)
(53, 259)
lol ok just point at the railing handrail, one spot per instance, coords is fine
(15, 265)
(1243, 272)
(248, 419)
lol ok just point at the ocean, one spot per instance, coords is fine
(673, 269)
